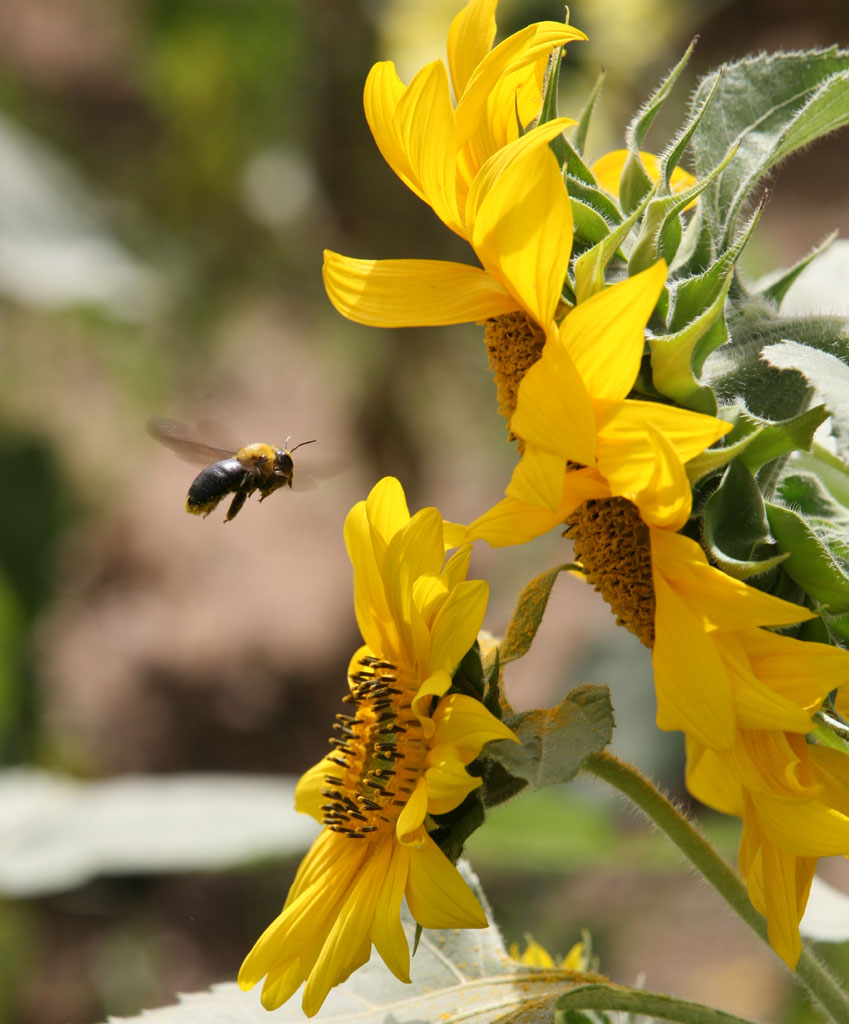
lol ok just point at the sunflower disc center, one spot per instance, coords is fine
(380, 751)
(613, 544)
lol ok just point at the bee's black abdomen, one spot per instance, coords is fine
(212, 484)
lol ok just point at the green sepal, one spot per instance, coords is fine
(528, 613)
(661, 230)
(498, 784)
(774, 286)
(635, 183)
(567, 155)
(590, 266)
(736, 531)
(588, 223)
(583, 125)
(674, 356)
(597, 198)
(670, 158)
(770, 105)
(757, 442)
(693, 295)
(810, 561)
(554, 742)
(468, 676)
(454, 828)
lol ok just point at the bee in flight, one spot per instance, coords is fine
(254, 467)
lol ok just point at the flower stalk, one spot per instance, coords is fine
(810, 972)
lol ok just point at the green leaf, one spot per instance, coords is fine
(528, 614)
(770, 105)
(462, 976)
(636, 1000)
(824, 372)
(556, 741)
(809, 561)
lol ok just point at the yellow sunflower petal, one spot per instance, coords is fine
(349, 941)
(436, 893)
(605, 335)
(693, 690)
(370, 607)
(784, 891)
(448, 782)
(383, 92)
(457, 623)
(538, 478)
(554, 411)
(387, 931)
(520, 218)
(804, 672)
(308, 798)
(720, 600)
(710, 781)
(426, 124)
(465, 724)
(512, 522)
(412, 293)
(519, 50)
(470, 39)
(434, 686)
(412, 814)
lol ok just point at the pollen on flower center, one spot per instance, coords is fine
(380, 752)
(613, 545)
(514, 343)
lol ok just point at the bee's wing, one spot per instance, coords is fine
(181, 439)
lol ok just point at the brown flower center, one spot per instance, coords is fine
(613, 545)
(514, 343)
(380, 752)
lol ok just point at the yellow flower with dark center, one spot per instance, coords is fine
(398, 758)
(493, 183)
(792, 798)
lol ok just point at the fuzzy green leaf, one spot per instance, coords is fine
(528, 614)
(637, 1001)
(556, 741)
(736, 529)
(824, 372)
(771, 105)
(583, 126)
(809, 561)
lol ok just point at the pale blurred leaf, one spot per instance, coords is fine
(57, 833)
(456, 976)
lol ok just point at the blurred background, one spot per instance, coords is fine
(170, 172)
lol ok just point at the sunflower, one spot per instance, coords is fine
(398, 758)
(613, 470)
(484, 170)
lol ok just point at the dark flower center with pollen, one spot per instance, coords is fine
(514, 343)
(613, 545)
(380, 751)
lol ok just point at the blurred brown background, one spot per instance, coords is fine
(170, 172)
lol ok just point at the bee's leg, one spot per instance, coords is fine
(241, 495)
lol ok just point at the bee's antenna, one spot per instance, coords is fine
(302, 443)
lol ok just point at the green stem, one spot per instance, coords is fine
(624, 777)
